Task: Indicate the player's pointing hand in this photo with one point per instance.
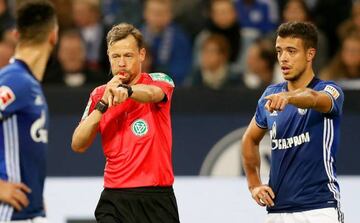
(276, 102)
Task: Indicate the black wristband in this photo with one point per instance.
(129, 89)
(101, 106)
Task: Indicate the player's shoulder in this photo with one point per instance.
(329, 87)
(327, 82)
(322, 85)
(274, 88)
(161, 77)
(15, 76)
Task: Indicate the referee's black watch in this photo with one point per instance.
(128, 87)
(101, 106)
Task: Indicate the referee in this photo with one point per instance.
(132, 114)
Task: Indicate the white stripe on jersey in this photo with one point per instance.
(12, 160)
(328, 139)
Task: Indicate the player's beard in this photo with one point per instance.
(294, 77)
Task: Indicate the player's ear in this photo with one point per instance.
(310, 54)
(15, 33)
(54, 36)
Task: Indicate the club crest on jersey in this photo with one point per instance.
(139, 127)
(302, 111)
(7, 97)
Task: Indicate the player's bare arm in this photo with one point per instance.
(301, 98)
(261, 193)
(14, 194)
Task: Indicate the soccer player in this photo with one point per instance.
(303, 115)
(132, 114)
(24, 115)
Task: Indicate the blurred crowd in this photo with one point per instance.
(211, 44)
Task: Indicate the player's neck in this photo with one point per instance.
(303, 80)
(35, 57)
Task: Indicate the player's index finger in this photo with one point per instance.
(23, 187)
(270, 191)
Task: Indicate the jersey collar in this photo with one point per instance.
(24, 65)
(311, 85)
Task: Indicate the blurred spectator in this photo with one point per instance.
(87, 18)
(184, 12)
(7, 50)
(214, 72)
(346, 63)
(63, 7)
(70, 68)
(260, 61)
(147, 64)
(255, 15)
(170, 46)
(223, 21)
(6, 20)
(116, 11)
(353, 23)
(273, 11)
(297, 10)
(328, 14)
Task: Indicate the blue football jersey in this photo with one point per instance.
(304, 145)
(23, 137)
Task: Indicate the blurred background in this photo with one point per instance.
(221, 56)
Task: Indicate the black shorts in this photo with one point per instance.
(137, 205)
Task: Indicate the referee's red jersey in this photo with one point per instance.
(136, 138)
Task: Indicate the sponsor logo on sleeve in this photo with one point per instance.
(162, 77)
(7, 97)
(332, 90)
(86, 112)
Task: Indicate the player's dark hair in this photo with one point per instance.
(123, 30)
(35, 19)
(302, 30)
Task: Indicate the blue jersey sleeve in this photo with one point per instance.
(14, 96)
(260, 114)
(336, 94)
